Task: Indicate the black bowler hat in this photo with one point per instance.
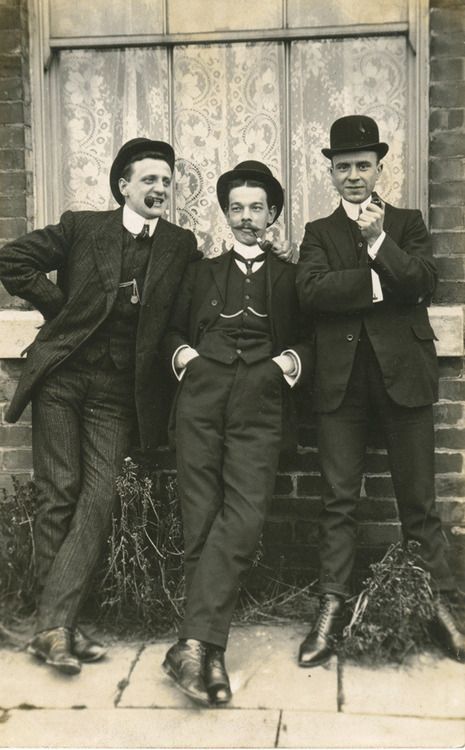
(251, 170)
(354, 133)
(154, 149)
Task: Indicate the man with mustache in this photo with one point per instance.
(93, 374)
(367, 274)
(236, 346)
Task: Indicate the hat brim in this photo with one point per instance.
(274, 187)
(163, 150)
(380, 148)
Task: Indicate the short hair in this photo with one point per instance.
(126, 173)
(240, 182)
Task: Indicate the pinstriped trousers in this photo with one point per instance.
(82, 420)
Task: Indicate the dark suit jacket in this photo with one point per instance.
(85, 248)
(334, 286)
(202, 298)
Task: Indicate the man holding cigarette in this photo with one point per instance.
(92, 374)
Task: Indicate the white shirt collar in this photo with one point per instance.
(247, 251)
(353, 209)
(134, 222)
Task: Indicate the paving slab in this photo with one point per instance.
(307, 730)
(129, 728)
(429, 686)
(34, 684)
(263, 670)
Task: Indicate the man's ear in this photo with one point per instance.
(272, 211)
(122, 185)
(380, 168)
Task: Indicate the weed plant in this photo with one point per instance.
(391, 614)
(17, 577)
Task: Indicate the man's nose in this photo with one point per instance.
(353, 173)
(245, 213)
(159, 187)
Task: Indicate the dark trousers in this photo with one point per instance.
(82, 417)
(342, 440)
(228, 435)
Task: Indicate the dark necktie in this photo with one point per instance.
(144, 232)
(249, 261)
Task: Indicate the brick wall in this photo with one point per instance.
(16, 204)
(291, 532)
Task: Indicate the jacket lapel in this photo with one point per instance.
(341, 238)
(220, 270)
(161, 252)
(108, 249)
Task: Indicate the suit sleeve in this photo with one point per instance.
(25, 262)
(319, 288)
(408, 270)
(177, 333)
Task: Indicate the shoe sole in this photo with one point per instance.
(89, 659)
(318, 663)
(63, 668)
(201, 701)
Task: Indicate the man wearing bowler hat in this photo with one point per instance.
(235, 344)
(367, 274)
(92, 374)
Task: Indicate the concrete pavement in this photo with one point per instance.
(126, 700)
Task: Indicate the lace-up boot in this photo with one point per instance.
(317, 647)
(216, 677)
(54, 647)
(185, 664)
(445, 632)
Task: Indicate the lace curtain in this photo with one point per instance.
(224, 103)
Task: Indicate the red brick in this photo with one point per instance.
(447, 69)
(451, 511)
(448, 193)
(14, 436)
(306, 532)
(451, 44)
(283, 485)
(277, 532)
(447, 217)
(12, 159)
(376, 509)
(447, 20)
(450, 438)
(296, 507)
(11, 89)
(450, 367)
(12, 227)
(14, 460)
(10, 41)
(448, 462)
(448, 144)
(14, 205)
(379, 487)
(11, 112)
(10, 66)
(450, 293)
(448, 243)
(448, 413)
(451, 268)
(12, 182)
(11, 136)
(452, 390)
(450, 486)
(301, 462)
(377, 463)
(452, 168)
(6, 481)
(309, 485)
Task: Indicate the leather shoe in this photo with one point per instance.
(85, 648)
(317, 647)
(216, 677)
(185, 664)
(445, 633)
(54, 647)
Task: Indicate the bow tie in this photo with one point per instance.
(249, 261)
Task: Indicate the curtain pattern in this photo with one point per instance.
(106, 98)
(229, 105)
(227, 109)
(333, 78)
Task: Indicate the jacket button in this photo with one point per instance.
(214, 302)
(349, 337)
(61, 336)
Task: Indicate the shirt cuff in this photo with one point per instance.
(179, 371)
(294, 376)
(377, 291)
(373, 249)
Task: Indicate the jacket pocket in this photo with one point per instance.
(424, 332)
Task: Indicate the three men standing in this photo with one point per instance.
(93, 373)
(367, 274)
